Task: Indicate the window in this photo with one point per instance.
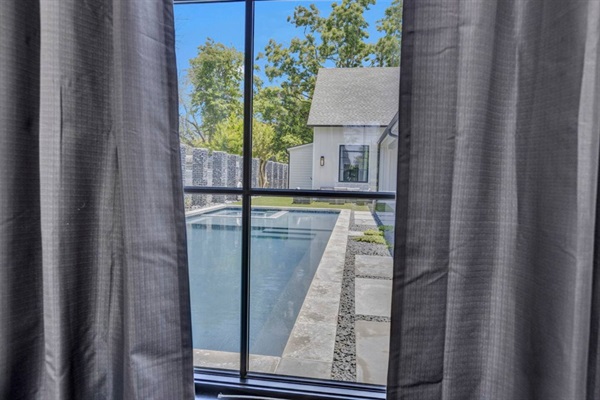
(290, 272)
(354, 163)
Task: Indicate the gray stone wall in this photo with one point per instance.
(187, 198)
(182, 153)
(232, 180)
(255, 171)
(199, 175)
(269, 173)
(200, 167)
(219, 173)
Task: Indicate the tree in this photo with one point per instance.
(216, 76)
(190, 129)
(387, 48)
(229, 137)
(263, 139)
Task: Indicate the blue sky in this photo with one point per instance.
(224, 22)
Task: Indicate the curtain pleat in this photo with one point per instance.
(496, 255)
(21, 310)
(94, 297)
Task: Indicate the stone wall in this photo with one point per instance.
(201, 167)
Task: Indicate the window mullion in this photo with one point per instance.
(246, 186)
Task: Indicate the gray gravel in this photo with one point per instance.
(344, 357)
(373, 318)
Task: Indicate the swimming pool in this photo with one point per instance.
(286, 248)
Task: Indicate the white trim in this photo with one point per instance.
(299, 146)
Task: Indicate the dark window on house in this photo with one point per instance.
(354, 163)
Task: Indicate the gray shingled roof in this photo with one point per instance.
(355, 96)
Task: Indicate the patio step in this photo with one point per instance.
(374, 266)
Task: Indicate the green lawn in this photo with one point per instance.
(287, 202)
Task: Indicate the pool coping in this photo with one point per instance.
(310, 347)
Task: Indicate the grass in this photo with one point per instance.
(287, 202)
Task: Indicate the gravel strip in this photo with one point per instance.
(373, 318)
(344, 357)
(383, 278)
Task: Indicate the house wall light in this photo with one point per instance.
(322, 162)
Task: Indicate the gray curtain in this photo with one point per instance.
(94, 300)
(497, 282)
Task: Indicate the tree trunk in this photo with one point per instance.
(262, 174)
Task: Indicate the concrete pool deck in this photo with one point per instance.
(309, 350)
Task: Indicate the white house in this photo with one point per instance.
(350, 111)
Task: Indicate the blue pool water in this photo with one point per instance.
(286, 250)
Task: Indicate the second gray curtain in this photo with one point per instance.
(497, 284)
(93, 271)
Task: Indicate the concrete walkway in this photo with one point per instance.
(372, 301)
(364, 218)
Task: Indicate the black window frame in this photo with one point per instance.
(211, 381)
(366, 151)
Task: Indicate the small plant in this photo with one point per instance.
(371, 232)
(377, 239)
(382, 207)
(384, 228)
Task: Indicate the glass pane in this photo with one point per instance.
(210, 60)
(354, 163)
(215, 283)
(321, 279)
(326, 78)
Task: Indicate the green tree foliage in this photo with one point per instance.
(263, 148)
(228, 137)
(216, 74)
(387, 48)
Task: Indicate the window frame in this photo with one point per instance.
(210, 380)
(366, 150)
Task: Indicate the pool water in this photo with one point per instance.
(286, 248)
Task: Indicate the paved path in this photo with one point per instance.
(364, 218)
(372, 298)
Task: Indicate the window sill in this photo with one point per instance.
(209, 383)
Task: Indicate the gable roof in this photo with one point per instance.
(355, 96)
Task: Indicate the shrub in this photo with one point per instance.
(370, 232)
(377, 239)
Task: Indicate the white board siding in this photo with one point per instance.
(327, 142)
(300, 166)
(388, 164)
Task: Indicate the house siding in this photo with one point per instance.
(300, 167)
(388, 164)
(326, 143)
